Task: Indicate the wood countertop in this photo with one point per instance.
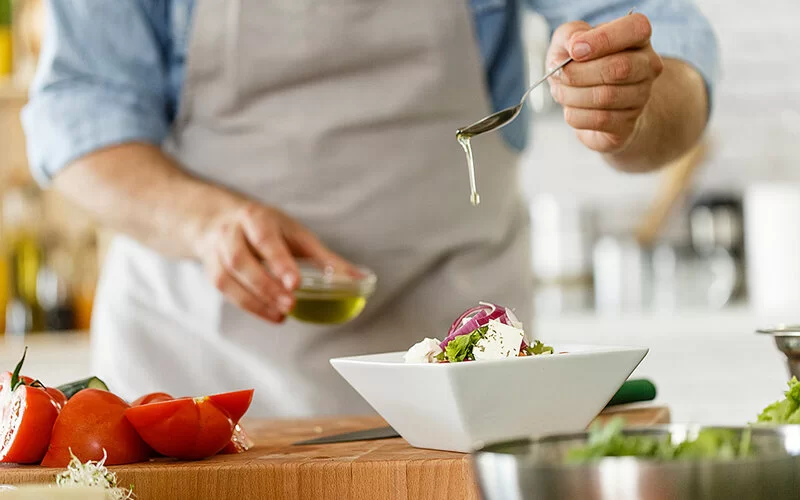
(277, 469)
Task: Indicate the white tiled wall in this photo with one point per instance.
(755, 128)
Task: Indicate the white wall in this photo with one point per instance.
(755, 129)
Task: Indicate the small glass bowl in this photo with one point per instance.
(329, 298)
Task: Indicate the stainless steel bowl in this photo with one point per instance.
(535, 469)
(787, 338)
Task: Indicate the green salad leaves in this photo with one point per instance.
(461, 347)
(785, 411)
(610, 441)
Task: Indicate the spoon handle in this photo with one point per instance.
(543, 79)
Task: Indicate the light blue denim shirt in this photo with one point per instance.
(111, 71)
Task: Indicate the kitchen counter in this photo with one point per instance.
(276, 469)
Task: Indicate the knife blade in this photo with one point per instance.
(632, 391)
(363, 435)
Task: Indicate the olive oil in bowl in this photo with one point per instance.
(330, 298)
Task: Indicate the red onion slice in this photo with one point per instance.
(482, 314)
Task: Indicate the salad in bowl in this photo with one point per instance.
(484, 332)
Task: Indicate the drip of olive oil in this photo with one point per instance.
(327, 307)
(464, 140)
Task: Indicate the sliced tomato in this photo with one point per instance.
(234, 403)
(240, 442)
(28, 411)
(92, 421)
(27, 425)
(185, 428)
(153, 397)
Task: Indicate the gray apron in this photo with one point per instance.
(343, 115)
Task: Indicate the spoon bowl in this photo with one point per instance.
(498, 120)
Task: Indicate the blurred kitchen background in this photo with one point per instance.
(687, 261)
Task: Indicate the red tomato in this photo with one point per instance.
(240, 442)
(185, 428)
(91, 421)
(153, 397)
(234, 403)
(28, 411)
(27, 424)
(58, 397)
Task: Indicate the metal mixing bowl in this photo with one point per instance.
(535, 469)
(787, 338)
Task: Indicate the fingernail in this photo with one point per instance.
(284, 303)
(581, 49)
(554, 91)
(288, 281)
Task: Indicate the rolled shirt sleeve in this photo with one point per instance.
(680, 30)
(101, 81)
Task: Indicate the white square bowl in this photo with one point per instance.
(461, 406)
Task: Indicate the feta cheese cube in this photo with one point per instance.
(501, 341)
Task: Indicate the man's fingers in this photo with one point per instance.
(631, 66)
(240, 262)
(602, 96)
(559, 43)
(268, 242)
(624, 33)
(600, 120)
(240, 296)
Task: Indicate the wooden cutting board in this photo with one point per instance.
(275, 469)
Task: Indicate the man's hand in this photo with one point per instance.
(248, 250)
(605, 89)
(249, 254)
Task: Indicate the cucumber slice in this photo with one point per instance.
(73, 388)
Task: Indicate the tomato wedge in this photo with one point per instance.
(234, 403)
(153, 397)
(92, 421)
(185, 428)
(193, 428)
(28, 411)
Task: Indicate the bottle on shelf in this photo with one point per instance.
(84, 279)
(22, 217)
(53, 290)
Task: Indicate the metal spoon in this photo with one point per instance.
(504, 116)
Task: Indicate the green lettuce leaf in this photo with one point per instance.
(609, 441)
(460, 348)
(785, 411)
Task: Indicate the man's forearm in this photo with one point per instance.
(673, 120)
(138, 190)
